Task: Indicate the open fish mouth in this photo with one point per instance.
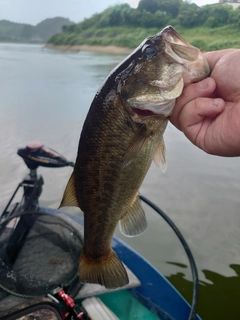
(143, 113)
(153, 109)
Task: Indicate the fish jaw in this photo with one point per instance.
(195, 65)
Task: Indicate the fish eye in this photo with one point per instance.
(149, 51)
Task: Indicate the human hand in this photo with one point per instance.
(208, 112)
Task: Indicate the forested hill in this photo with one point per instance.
(19, 32)
(209, 27)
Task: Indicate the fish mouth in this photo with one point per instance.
(163, 108)
(195, 65)
(144, 113)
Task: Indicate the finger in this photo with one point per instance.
(192, 117)
(203, 88)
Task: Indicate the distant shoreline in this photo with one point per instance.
(77, 48)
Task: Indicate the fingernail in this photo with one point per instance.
(203, 84)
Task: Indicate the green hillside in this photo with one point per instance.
(209, 27)
(19, 32)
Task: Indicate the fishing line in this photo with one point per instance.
(193, 311)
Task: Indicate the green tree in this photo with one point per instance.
(160, 19)
(135, 18)
(153, 20)
(129, 17)
(69, 29)
(149, 5)
(93, 21)
(188, 15)
(114, 15)
(218, 16)
(235, 17)
(168, 6)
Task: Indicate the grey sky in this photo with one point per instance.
(34, 11)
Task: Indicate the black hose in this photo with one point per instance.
(71, 164)
(193, 311)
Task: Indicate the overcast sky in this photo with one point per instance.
(34, 11)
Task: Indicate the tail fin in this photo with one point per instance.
(109, 272)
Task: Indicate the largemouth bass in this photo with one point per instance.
(121, 136)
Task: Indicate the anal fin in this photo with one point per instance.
(134, 222)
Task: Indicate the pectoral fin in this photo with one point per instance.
(134, 221)
(135, 146)
(69, 197)
(160, 156)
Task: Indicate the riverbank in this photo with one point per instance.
(77, 48)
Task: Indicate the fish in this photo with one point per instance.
(121, 136)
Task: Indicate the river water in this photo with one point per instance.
(45, 96)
